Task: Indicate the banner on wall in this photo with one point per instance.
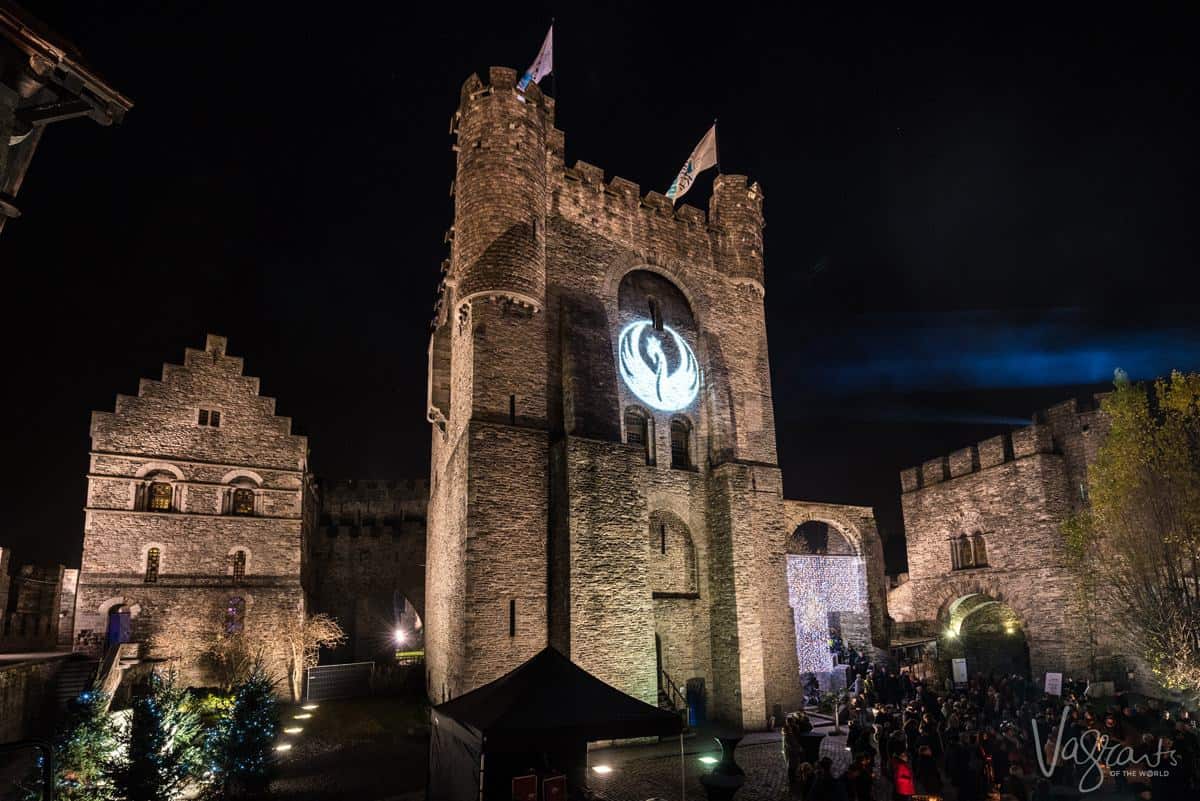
(1054, 684)
(959, 668)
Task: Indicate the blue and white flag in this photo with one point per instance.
(703, 157)
(542, 66)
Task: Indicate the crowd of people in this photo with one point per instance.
(995, 737)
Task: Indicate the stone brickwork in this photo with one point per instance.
(33, 616)
(559, 513)
(66, 609)
(368, 558)
(1003, 501)
(195, 518)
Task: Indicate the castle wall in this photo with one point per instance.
(159, 437)
(368, 554)
(1015, 490)
(536, 495)
(33, 617)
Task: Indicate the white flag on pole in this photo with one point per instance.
(542, 66)
(703, 157)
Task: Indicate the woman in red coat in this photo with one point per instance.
(902, 778)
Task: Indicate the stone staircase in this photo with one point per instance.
(76, 675)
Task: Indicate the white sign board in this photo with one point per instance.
(960, 670)
(1054, 684)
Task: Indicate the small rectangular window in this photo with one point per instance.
(512, 618)
(215, 418)
(209, 418)
(204, 417)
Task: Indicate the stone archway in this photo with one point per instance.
(988, 633)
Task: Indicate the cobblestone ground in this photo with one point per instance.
(644, 772)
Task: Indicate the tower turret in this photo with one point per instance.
(499, 246)
(736, 211)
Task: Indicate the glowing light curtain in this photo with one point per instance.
(818, 585)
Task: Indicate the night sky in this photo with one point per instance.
(968, 217)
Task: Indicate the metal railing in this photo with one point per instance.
(324, 682)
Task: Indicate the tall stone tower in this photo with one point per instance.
(604, 473)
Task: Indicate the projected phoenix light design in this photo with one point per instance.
(645, 368)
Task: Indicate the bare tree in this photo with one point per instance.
(305, 638)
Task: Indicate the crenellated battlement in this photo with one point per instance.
(512, 174)
(1047, 433)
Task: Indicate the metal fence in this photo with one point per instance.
(339, 681)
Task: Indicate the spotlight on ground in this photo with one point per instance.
(709, 760)
(309, 707)
(284, 747)
(305, 716)
(293, 730)
(603, 770)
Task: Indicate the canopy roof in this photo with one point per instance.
(550, 700)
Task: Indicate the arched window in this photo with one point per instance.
(239, 566)
(980, 548)
(639, 431)
(681, 458)
(152, 559)
(243, 502)
(160, 496)
(235, 615)
(966, 554)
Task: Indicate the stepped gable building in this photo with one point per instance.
(604, 473)
(367, 557)
(43, 80)
(198, 504)
(987, 567)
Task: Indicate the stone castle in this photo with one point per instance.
(604, 477)
(604, 474)
(986, 553)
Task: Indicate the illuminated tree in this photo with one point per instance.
(239, 748)
(163, 745)
(305, 638)
(1140, 537)
(85, 743)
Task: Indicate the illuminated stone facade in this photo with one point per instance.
(198, 503)
(983, 525)
(565, 507)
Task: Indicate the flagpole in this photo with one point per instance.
(554, 83)
(717, 145)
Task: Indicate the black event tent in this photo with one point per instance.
(540, 715)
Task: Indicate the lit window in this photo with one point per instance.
(152, 559)
(235, 616)
(243, 502)
(680, 457)
(239, 566)
(160, 496)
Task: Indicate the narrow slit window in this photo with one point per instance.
(512, 618)
(152, 560)
(662, 537)
(512, 410)
(239, 566)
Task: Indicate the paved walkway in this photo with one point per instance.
(653, 771)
